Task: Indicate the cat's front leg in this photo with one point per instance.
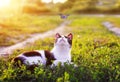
(62, 62)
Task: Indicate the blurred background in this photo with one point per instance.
(21, 18)
(11, 7)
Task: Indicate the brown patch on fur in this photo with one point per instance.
(57, 36)
(70, 37)
(18, 61)
(31, 53)
(69, 40)
(49, 57)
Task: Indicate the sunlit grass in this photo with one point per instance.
(95, 50)
(17, 28)
(115, 21)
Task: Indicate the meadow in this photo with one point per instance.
(115, 21)
(95, 50)
(19, 27)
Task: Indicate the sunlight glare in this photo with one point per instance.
(61, 1)
(54, 1)
(4, 3)
(46, 1)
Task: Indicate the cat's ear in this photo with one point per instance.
(57, 35)
(70, 36)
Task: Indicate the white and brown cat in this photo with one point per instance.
(61, 52)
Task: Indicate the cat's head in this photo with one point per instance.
(62, 40)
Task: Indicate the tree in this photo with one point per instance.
(35, 6)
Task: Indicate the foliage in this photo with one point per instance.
(95, 51)
(90, 6)
(35, 7)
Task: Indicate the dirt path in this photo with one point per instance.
(6, 51)
(112, 28)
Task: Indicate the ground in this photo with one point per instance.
(95, 50)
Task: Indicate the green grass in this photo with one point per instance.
(115, 21)
(18, 28)
(95, 50)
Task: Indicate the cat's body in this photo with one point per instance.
(60, 53)
(36, 57)
(62, 49)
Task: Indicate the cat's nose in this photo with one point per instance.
(62, 38)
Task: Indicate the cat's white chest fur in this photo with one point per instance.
(61, 53)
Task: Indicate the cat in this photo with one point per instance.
(61, 52)
(62, 49)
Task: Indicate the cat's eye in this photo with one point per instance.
(66, 37)
(59, 37)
